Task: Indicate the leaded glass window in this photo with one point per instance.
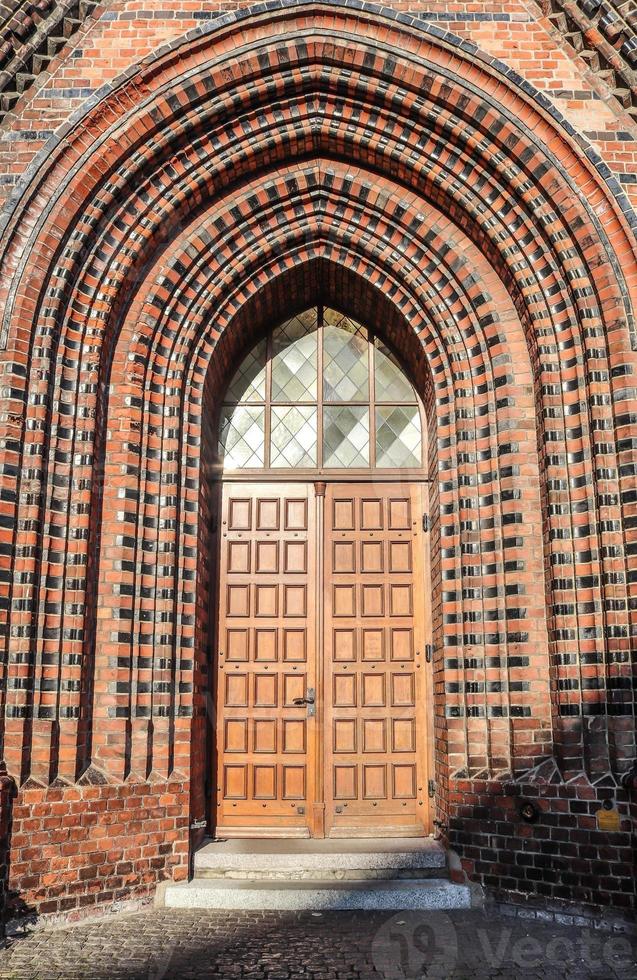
(293, 436)
(345, 436)
(321, 392)
(295, 360)
(242, 436)
(345, 359)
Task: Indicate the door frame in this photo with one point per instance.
(316, 816)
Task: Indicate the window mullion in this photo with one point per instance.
(372, 400)
(268, 400)
(319, 389)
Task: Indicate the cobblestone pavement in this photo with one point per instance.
(167, 944)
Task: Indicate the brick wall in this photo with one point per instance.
(77, 847)
(561, 857)
(445, 188)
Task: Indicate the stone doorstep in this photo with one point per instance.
(297, 857)
(302, 874)
(319, 874)
(316, 895)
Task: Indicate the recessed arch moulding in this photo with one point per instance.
(232, 178)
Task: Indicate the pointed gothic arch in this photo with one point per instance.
(400, 164)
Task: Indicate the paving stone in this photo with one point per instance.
(169, 944)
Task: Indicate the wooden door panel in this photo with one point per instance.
(266, 745)
(359, 766)
(375, 631)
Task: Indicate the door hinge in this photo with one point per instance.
(428, 652)
(432, 788)
(425, 522)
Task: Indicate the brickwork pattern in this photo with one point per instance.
(601, 32)
(544, 51)
(75, 847)
(7, 793)
(32, 32)
(561, 858)
(420, 183)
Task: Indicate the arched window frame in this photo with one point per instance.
(375, 342)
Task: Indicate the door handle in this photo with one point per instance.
(308, 700)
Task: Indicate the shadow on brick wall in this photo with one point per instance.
(545, 841)
(10, 903)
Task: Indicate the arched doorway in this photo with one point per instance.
(322, 607)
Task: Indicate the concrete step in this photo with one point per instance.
(320, 874)
(342, 859)
(316, 895)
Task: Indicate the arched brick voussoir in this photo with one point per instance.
(282, 27)
(157, 310)
(109, 289)
(480, 157)
(532, 300)
(516, 744)
(50, 629)
(161, 72)
(235, 245)
(425, 272)
(88, 289)
(554, 545)
(152, 193)
(442, 238)
(534, 294)
(398, 214)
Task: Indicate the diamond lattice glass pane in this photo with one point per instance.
(346, 436)
(248, 383)
(294, 359)
(389, 378)
(398, 436)
(345, 359)
(294, 435)
(241, 436)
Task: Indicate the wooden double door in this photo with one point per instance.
(322, 725)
